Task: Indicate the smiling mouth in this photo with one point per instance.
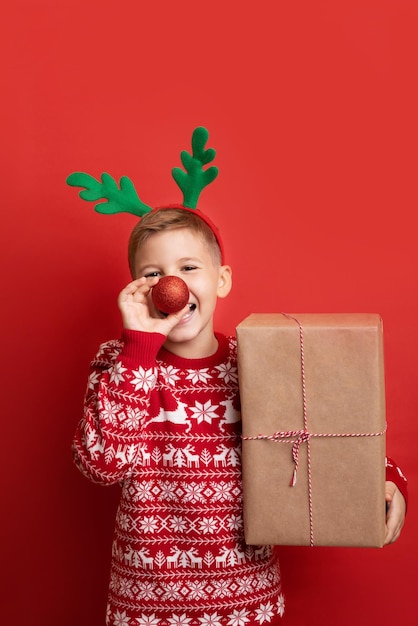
(192, 307)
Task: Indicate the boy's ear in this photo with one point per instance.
(225, 281)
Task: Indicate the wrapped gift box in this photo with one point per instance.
(313, 399)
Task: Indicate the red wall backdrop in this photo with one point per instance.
(312, 107)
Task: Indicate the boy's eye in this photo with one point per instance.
(152, 274)
(189, 268)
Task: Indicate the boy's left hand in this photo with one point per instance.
(395, 512)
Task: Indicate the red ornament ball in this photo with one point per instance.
(170, 294)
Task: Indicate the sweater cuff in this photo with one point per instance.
(140, 348)
(394, 474)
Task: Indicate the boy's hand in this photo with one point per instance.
(133, 302)
(395, 515)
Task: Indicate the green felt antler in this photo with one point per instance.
(116, 199)
(196, 178)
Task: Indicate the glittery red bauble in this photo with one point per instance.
(170, 294)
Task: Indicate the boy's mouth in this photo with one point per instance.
(192, 307)
(186, 316)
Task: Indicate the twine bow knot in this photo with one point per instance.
(303, 437)
(299, 437)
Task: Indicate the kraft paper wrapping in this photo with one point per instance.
(339, 495)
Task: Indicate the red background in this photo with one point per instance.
(312, 107)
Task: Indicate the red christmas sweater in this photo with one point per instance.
(168, 430)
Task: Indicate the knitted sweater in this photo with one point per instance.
(168, 430)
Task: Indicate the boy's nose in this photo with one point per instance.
(170, 294)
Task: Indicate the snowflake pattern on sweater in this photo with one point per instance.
(168, 430)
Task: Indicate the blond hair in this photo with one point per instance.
(170, 219)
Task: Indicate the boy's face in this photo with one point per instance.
(183, 253)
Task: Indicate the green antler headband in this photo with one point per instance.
(112, 198)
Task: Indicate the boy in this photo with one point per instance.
(162, 419)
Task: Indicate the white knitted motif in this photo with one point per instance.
(170, 434)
